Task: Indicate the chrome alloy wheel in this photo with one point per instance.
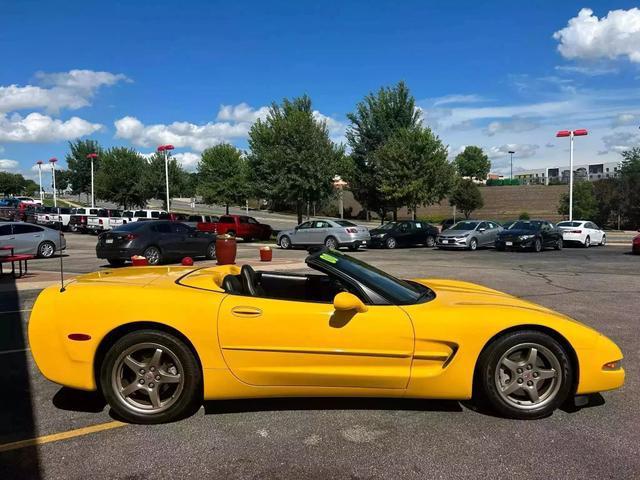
(528, 376)
(153, 255)
(147, 378)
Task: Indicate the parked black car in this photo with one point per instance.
(158, 241)
(530, 235)
(404, 233)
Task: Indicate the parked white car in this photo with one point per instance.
(582, 231)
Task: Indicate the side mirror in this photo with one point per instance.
(345, 302)
(482, 229)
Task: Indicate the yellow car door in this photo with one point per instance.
(279, 342)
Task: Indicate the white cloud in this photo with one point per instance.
(188, 160)
(588, 70)
(39, 128)
(6, 164)
(234, 122)
(500, 154)
(457, 99)
(516, 124)
(624, 119)
(620, 141)
(65, 90)
(589, 37)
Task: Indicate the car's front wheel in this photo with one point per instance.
(525, 374)
(473, 244)
(149, 376)
(430, 242)
(558, 245)
(537, 245)
(285, 242)
(390, 243)
(211, 251)
(603, 242)
(587, 242)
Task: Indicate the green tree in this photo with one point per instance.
(466, 197)
(222, 175)
(292, 158)
(585, 206)
(607, 194)
(79, 166)
(63, 180)
(473, 163)
(120, 180)
(11, 183)
(629, 178)
(413, 169)
(154, 181)
(376, 119)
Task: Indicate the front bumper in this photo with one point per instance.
(452, 242)
(514, 244)
(593, 376)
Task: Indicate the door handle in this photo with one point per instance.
(243, 311)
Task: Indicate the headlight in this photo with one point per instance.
(462, 236)
(379, 235)
(526, 237)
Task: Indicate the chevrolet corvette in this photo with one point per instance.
(171, 337)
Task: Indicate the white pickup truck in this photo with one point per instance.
(103, 220)
(147, 215)
(55, 217)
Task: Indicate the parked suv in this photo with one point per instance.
(243, 226)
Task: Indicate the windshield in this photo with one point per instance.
(525, 226)
(388, 226)
(464, 226)
(397, 291)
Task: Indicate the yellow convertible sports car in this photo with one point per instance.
(156, 341)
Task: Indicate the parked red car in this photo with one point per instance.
(243, 226)
(635, 246)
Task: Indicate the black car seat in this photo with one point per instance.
(251, 282)
(232, 284)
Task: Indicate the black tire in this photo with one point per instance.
(354, 248)
(430, 241)
(153, 255)
(587, 242)
(537, 245)
(46, 249)
(331, 242)
(210, 253)
(558, 245)
(490, 376)
(285, 242)
(603, 242)
(473, 244)
(183, 397)
(390, 243)
(115, 262)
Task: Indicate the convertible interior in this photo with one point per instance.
(281, 285)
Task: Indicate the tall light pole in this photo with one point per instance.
(571, 133)
(39, 163)
(166, 149)
(53, 161)
(92, 156)
(511, 152)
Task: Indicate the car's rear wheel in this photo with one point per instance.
(153, 255)
(331, 242)
(150, 376)
(46, 249)
(587, 242)
(525, 374)
(285, 242)
(115, 262)
(211, 251)
(390, 243)
(430, 241)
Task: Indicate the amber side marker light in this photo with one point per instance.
(612, 365)
(80, 337)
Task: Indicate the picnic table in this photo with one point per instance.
(13, 258)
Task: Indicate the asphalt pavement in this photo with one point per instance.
(340, 438)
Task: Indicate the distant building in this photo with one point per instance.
(545, 176)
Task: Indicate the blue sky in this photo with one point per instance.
(503, 75)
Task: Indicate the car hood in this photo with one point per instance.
(517, 232)
(457, 233)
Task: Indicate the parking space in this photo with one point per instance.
(343, 438)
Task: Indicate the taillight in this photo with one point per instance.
(575, 231)
(130, 236)
(100, 221)
(83, 219)
(351, 230)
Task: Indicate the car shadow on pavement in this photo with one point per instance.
(328, 403)
(78, 400)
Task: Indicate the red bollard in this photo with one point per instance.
(139, 261)
(187, 262)
(226, 249)
(266, 254)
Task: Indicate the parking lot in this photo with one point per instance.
(341, 438)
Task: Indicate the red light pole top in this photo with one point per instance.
(163, 148)
(563, 133)
(576, 133)
(39, 162)
(53, 160)
(92, 155)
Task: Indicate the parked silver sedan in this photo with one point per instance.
(31, 239)
(330, 233)
(469, 234)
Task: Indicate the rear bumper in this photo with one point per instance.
(573, 237)
(117, 253)
(355, 239)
